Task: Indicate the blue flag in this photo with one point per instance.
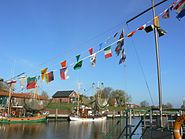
(181, 15)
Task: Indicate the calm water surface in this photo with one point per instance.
(64, 130)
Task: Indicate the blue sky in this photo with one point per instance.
(35, 34)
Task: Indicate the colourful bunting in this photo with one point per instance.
(123, 57)
(43, 73)
(31, 82)
(166, 14)
(156, 21)
(131, 34)
(120, 43)
(107, 52)
(64, 74)
(49, 77)
(63, 64)
(78, 65)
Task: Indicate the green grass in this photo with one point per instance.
(112, 108)
(62, 106)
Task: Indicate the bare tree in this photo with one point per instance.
(144, 103)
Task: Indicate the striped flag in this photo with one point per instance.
(64, 74)
(31, 82)
(141, 27)
(131, 34)
(49, 77)
(180, 6)
(43, 73)
(107, 52)
(93, 59)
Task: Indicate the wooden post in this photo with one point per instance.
(56, 114)
(130, 122)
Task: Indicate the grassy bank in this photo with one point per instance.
(60, 106)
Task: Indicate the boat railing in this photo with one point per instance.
(149, 120)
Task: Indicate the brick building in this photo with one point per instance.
(69, 96)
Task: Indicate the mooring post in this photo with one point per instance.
(127, 124)
(151, 118)
(56, 114)
(151, 122)
(130, 122)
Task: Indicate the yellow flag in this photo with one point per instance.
(43, 72)
(47, 78)
(156, 21)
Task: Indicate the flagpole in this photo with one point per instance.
(158, 67)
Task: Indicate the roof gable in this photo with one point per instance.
(61, 94)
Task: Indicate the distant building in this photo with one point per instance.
(69, 96)
(129, 105)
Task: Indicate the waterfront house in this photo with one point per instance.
(69, 96)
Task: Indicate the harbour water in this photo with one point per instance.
(66, 130)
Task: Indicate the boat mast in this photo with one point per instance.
(157, 55)
(158, 67)
(9, 100)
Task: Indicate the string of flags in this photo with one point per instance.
(178, 6)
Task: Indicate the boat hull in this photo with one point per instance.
(87, 119)
(35, 119)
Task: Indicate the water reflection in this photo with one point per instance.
(63, 130)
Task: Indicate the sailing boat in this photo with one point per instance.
(18, 114)
(91, 110)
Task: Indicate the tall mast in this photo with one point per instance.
(158, 67)
(157, 54)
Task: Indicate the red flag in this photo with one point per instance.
(91, 51)
(142, 27)
(63, 64)
(64, 73)
(131, 33)
(31, 82)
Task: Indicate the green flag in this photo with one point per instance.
(31, 82)
(77, 57)
(78, 65)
